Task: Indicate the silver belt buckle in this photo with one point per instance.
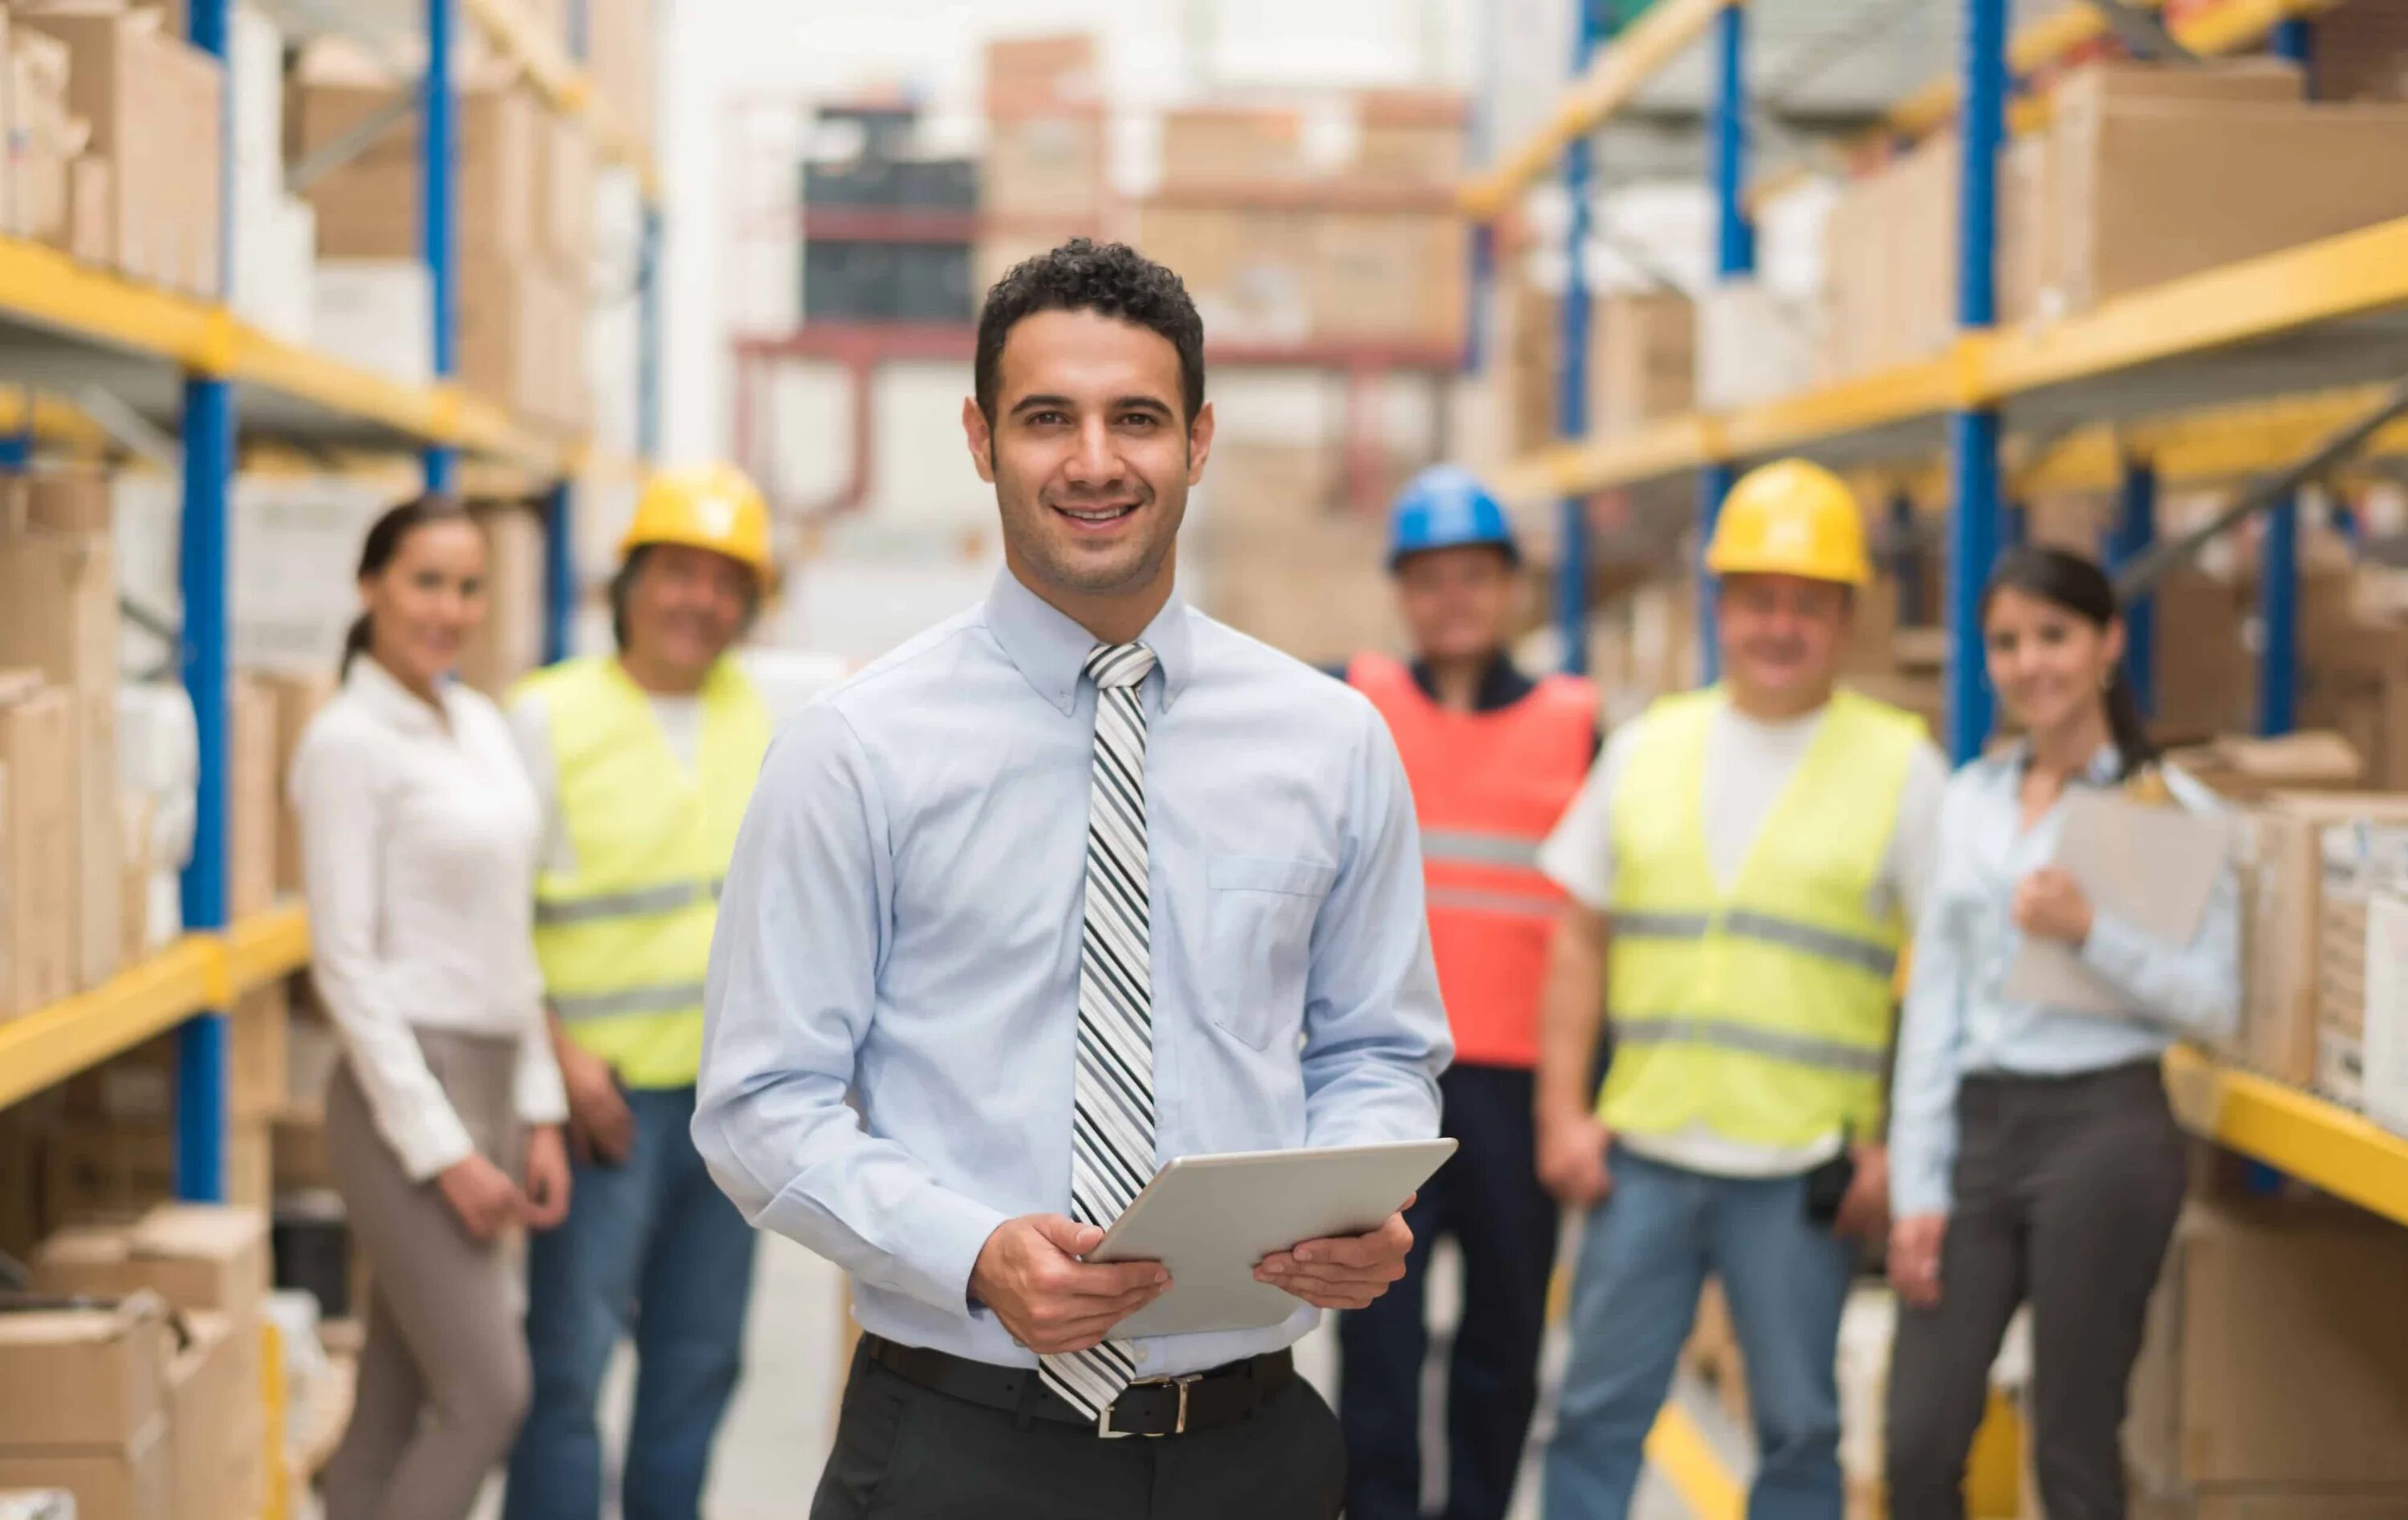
(1184, 1383)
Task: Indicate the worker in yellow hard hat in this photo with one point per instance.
(643, 760)
(1742, 863)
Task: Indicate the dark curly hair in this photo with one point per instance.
(1113, 280)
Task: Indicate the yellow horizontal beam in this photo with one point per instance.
(1613, 80)
(2295, 1132)
(2222, 444)
(196, 972)
(511, 28)
(2351, 275)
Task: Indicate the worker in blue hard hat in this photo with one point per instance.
(1494, 758)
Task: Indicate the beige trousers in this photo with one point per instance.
(443, 1377)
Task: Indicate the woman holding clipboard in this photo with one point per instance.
(2032, 1155)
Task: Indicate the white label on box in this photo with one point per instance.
(2384, 1058)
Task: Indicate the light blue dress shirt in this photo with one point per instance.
(901, 927)
(1958, 1021)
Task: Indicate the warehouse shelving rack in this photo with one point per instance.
(2233, 372)
(195, 364)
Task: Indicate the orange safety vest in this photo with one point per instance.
(1487, 789)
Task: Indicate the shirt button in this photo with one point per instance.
(1141, 1356)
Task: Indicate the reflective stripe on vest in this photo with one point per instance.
(1487, 787)
(624, 937)
(639, 903)
(1760, 1008)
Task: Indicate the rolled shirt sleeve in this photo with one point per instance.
(1376, 1033)
(793, 971)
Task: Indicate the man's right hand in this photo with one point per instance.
(1571, 1158)
(1029, 1273)
(600, 1125)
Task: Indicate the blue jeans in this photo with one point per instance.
(650, 1247)
(1645, 1254)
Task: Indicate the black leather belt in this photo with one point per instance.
(1152, 1407)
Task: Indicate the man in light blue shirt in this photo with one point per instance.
(1074, 884)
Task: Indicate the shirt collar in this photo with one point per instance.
(2105, 763)
(1051, 651)
(372, 683)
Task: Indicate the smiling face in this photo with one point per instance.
(1457, 603)
(684, 607)
(1092, 461)
(1781, 637)
(2050, 665)
(426, 600)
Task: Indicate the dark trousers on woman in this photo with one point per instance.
(2066, 1189)
(1488, 1198)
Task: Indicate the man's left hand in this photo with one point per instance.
(1864, 1211)
(1347, 1273)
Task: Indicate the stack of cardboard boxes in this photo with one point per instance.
(150, 1404)
(1043, 176)
(1276, 556)
(63, 863)
(525, 220)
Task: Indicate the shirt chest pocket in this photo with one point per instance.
(1258, 943)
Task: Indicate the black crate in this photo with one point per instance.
(917, 283)
(936, 184)
(862, 181)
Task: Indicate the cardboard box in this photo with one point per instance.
(367, 208)
(251, 1163)
(2248, 769)
(1050, 167)
(44, 134)
(217, 1420)
(1393, 277)
(256, 801)
(2273, 1354)
(297, 696)
(521, 342)
(1040, 74)
(566, 230)
(1226, 144)
(1250, 273)
(82, 1377)
(622, 54)
(257, 1038)
(1408, 137)
(58, 606)
(375, 314)
(39, 952)
(509, 643)
(99, 847)
(197, 1257)
(132, 1481)
(2293, 848)
(1643, 361)
(2139, 187)
(106, 1171)
(137, 823)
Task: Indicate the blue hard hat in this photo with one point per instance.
(1445, 507)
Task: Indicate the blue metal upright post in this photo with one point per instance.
(434, 193)
(559, 571)
(2135, 533)
(208, 659)
(1973, 434)
(648, 338)
(1734, 257)
(2294, 39)
(2014, 525)
(2278, 611)
(1593, 23)
(16, 451)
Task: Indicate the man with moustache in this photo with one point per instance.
(1742, 864)
(1074, 884)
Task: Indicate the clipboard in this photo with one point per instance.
(1211, 1219)
(2151, 866)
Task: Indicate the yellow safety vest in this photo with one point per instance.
(625, 938)
(1762, 1011)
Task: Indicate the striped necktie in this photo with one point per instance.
(1112, 1133)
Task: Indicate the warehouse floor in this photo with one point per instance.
(777, 1434)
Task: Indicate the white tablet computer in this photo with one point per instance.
(1211, 1219)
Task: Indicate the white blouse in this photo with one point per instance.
(419, 835)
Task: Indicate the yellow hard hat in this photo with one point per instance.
(1791, 517)
(712, 506)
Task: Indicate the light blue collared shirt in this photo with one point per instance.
(901, 925)
(1959, 1022)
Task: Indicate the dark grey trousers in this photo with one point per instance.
(903, 1453)
(2067, 1192)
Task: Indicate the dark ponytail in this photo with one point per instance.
(2079, 587)
(384, 540)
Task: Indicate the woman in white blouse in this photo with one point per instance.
(2033, 1158)
(419, 834)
